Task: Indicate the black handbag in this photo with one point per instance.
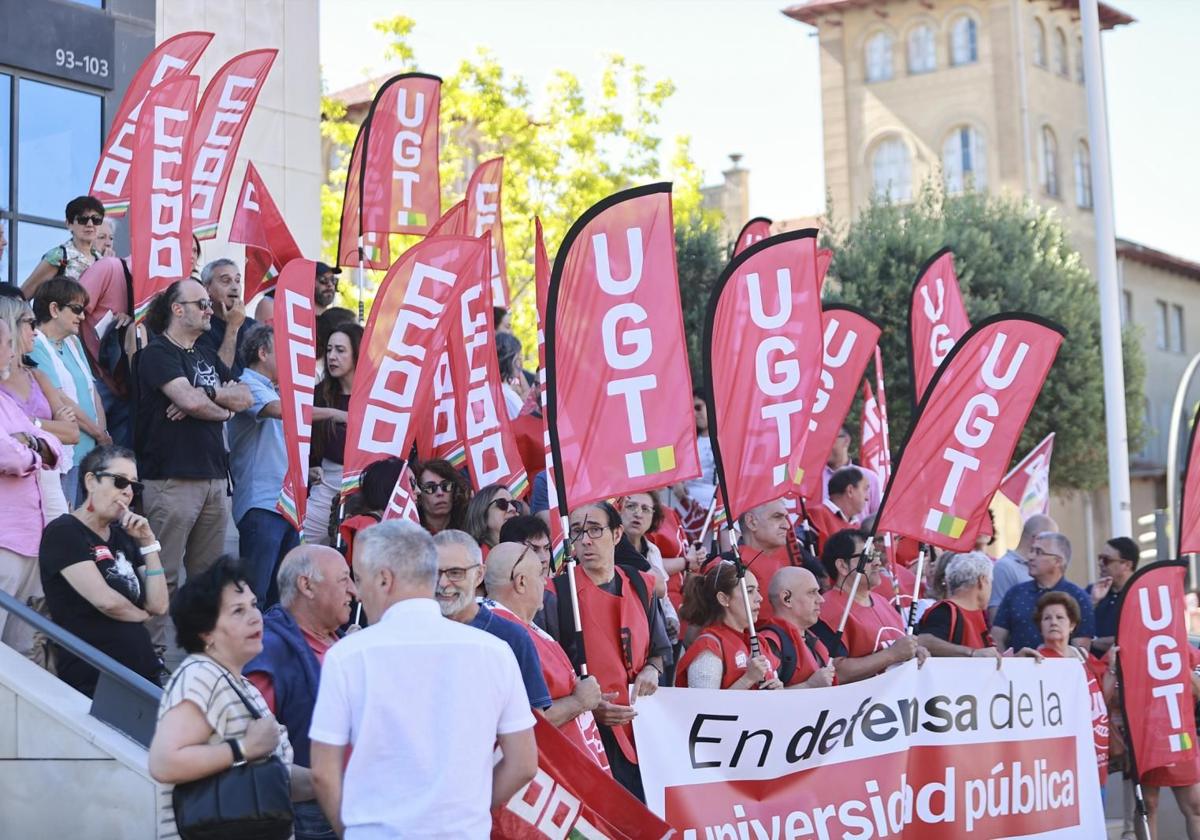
(250, 802)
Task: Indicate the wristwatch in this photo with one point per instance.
(239, 757)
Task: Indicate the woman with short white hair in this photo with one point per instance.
(957, 625)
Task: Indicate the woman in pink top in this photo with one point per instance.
(25, 451)
(41, 402)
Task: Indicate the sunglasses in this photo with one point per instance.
(502, 503)
(435, 486)
(89, 220)
(121, 482)
(204, 305)
(77, 308)
(28, 321)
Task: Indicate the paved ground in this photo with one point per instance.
(1170, 821)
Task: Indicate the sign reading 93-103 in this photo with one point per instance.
(66, 40)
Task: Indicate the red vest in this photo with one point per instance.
(869, 628)
(900, 592)
(560, 679)
(733, 648)
(826, 523)
(806, 663)
(974, 633)
(616, 640)
(765, 564)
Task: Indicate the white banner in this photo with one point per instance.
(953, 749)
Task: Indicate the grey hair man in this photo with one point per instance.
(957, 626)
(229, 324)
(408, 691)
(315, 590)
(1049, 557)
(1013, 566)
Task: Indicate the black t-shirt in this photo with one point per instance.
(67, 541)
(831, 639)
(187, 448)
(215, 336)
(936, 622)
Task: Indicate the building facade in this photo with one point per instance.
(990, 94)
(62, 81)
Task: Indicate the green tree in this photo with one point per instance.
(1010, 256)
(560, 157)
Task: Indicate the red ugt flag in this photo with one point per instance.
(403, 504)
(936, 318)
(763, 342)
(620, 413)
(174, 57)
(220, 122)
(966, 429)
(258, 224)
(1027, 485)
(483, 216)
(295, 328)
(755, 230)
(160, 224)
(541, 281)
(1156, 664)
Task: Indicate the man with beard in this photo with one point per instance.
(460, 571)
(326, 286)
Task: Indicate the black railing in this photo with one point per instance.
(126, 701)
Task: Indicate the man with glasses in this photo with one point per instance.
(185, 395)
(325, 289)
(1012, 567)
(1118, 561)
(515, 579)
(84, 215)
(1014, 625)
(460, 571)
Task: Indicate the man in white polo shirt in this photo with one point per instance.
(422, 701)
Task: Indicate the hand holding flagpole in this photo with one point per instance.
(858, 576)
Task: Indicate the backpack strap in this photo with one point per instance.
(567, 636)
(956, 626)
(785, 651)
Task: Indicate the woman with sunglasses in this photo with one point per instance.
(41, 402)
(84, 215)
(101, 571)
(720, 657)
(487, 512)
(331, 402)
(59, 306)
(443, 495)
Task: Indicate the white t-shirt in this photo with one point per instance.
(421, 699)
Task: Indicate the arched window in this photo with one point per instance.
(1062, 63)
(964, 163)
(879, 57)
(922, 55)
(964, 45)
(1049, 166)
(891, 170)
(1083, 175)
(1039, 43)
(1079, 60)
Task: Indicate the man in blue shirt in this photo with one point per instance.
(1048, 560)
(460, 572)
(257, 463)
(1118, 561)
(226, 334)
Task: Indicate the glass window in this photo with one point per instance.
(1083, 175)
(892, 170)
(1039, 43)
(1049, 162)
(964, 43)
(4, 278)
(1079, 60)
(5, 135)
(1161, 327)
(879, 57)
(1062, 64)
(963, 160)
(922, 56)
(33, 241)
(58, 142)
(95, 4)
(1126, 307)
(1177, 342)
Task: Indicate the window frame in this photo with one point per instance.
(929, 38)
(974, 178)
(890, 192)
(1162, 325)
(879, 36)
(10, 216)
(972, 40)
(1084, 199)
(1062, 53)
(1176, 335)
(1051, 183)
(1040, 58)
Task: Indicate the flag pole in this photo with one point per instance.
(712, 509)
(741, 573)
(574, 590)
(361, 278)
(912, 608)
(858, 576)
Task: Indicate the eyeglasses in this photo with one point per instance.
(457, 574)
(204, 305)
(632, 508)
(512, 576)
(502, 503)
(27, 320)
(593, 531)
(435, 486)
(121, 482)
(89, 220)
(77, 308)
(1038, 551)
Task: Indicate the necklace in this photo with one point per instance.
(188, 349)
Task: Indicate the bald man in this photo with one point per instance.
(796, 600)
(514, 581)
(315, 592)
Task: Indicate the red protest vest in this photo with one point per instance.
(897, 589)
(1091, 667)
(826, 523)
(765, 564)
(616, 639)
(733, 648)
(973, 623)
(806, 663)
(560, 680)
(869, 628)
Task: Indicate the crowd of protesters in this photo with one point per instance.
(131, 452)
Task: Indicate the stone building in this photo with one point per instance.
(990, 93)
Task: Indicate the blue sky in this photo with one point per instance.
(747, 81)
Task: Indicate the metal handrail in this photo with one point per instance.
(126, 701)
